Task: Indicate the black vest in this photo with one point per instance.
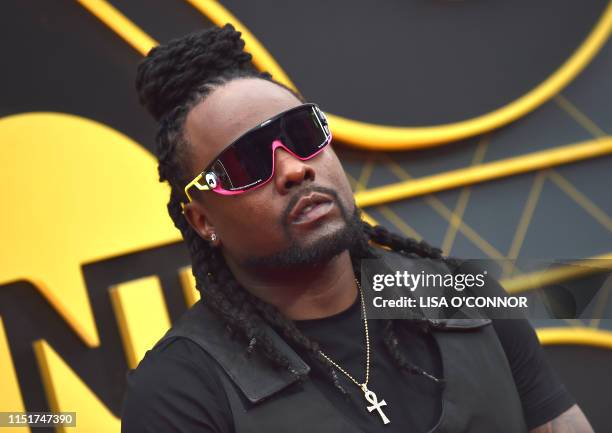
(479, 396)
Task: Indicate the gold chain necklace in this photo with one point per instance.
(370, 396)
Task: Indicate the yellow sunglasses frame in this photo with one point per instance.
(195, 182)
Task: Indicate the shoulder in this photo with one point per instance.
(175, 387)
(176, 357)
(542, 393)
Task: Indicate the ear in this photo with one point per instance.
(198, 219)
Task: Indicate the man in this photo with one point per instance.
(278, 342)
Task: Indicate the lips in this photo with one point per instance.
(310, 207)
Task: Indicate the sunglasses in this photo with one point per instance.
(248, 162)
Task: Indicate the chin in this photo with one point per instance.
(320, 250)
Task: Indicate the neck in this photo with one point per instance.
(304, 292)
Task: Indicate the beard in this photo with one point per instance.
(322, 250)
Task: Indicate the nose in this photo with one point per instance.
(290, 171)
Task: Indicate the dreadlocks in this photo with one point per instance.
(170, 81)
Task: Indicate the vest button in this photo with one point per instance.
(436, 323)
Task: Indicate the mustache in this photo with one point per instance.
(305, 191)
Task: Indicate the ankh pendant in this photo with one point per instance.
(376, 405)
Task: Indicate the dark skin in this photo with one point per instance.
(249, 224)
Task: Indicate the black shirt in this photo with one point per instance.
(175, 387)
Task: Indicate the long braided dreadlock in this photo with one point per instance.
(170, 81)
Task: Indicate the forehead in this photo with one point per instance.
(229, 111)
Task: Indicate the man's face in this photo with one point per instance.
(261, 226)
